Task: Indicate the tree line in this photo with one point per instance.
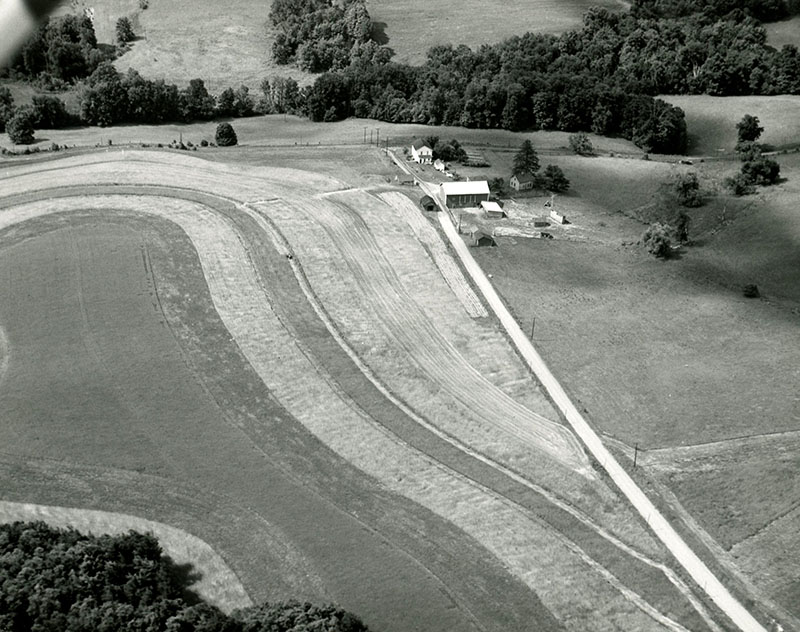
(60, 579)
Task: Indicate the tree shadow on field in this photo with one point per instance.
(378, 33)
(183, 577)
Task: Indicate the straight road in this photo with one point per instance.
(655, 519)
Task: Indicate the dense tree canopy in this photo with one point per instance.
(54, 579)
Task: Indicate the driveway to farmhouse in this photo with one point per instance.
(654, 518)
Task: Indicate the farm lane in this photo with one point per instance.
(657, 522)
(458, 519)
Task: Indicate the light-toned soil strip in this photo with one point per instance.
(217, 584)
(428, 236)
(342, 259)
(478, 342)
(281, 363)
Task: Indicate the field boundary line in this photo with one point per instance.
(282, 244)
(665, 532)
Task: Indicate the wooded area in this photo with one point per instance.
(60, 579)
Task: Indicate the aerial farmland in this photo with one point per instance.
(310, 386)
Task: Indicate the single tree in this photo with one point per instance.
(226, 103)
(554, 179)
(124, 31)
(581, 144)
(526, 161)
(739, 185)
(20, 126)
(762, 171)
(749, 150)
(749, 128)
(497, 186)
(657, 241)
(6, 107)
(682, 227)
(687, 189)
(225, 136)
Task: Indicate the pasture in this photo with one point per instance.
(785, 32)
(230, 44)
(668, 355)
(711, 121)
(411, 28)
(272, 409)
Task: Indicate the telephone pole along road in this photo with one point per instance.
(687, 558)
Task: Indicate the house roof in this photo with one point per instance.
(419, 144)
(523, 177)
(492, 207)
(470, 187)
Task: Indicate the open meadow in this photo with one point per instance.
(411, 27)
(711, 121)
(165, 345)
(668, 356)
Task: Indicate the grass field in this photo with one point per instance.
(292, 359)
(412, 27)
(779, 34)
(230, 44)
(712, 121)
(669, 354)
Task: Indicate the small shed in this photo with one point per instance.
(439, 165)
(522, 181)
(427, 203)
(557, 217)
(541, 222)
(405, 179)
(493, 210)
(478, 237)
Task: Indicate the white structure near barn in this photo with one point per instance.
(421, 153)
(461, 194)
(493, 210)
(439, 165)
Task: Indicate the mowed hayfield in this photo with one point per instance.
(267, 425)
(666, 354)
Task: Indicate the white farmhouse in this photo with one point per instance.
(421, 153)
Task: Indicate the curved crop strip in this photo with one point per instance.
(379, 290)
(218, 584)
(498, 529)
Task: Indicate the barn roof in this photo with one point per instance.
(470, 187)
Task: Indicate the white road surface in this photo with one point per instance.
(657, 522)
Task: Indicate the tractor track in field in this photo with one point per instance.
(364, 391)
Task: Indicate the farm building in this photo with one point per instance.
(557, 217)
(460, 194)
(522, 181)
(493, 210)
(421, 153)
(405, 179)
(439, 165)
(478, 237)
(427, 203)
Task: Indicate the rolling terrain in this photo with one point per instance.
(240, 379)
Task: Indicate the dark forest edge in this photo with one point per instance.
(601, 78)
(60, 579)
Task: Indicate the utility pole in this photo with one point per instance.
(365, 135)
(533, 326)
(635, 454)
(370, 136)
(378, 138)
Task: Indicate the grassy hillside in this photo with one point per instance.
(229, 43)
(785, 32)
(712, 120)
(411, 27)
